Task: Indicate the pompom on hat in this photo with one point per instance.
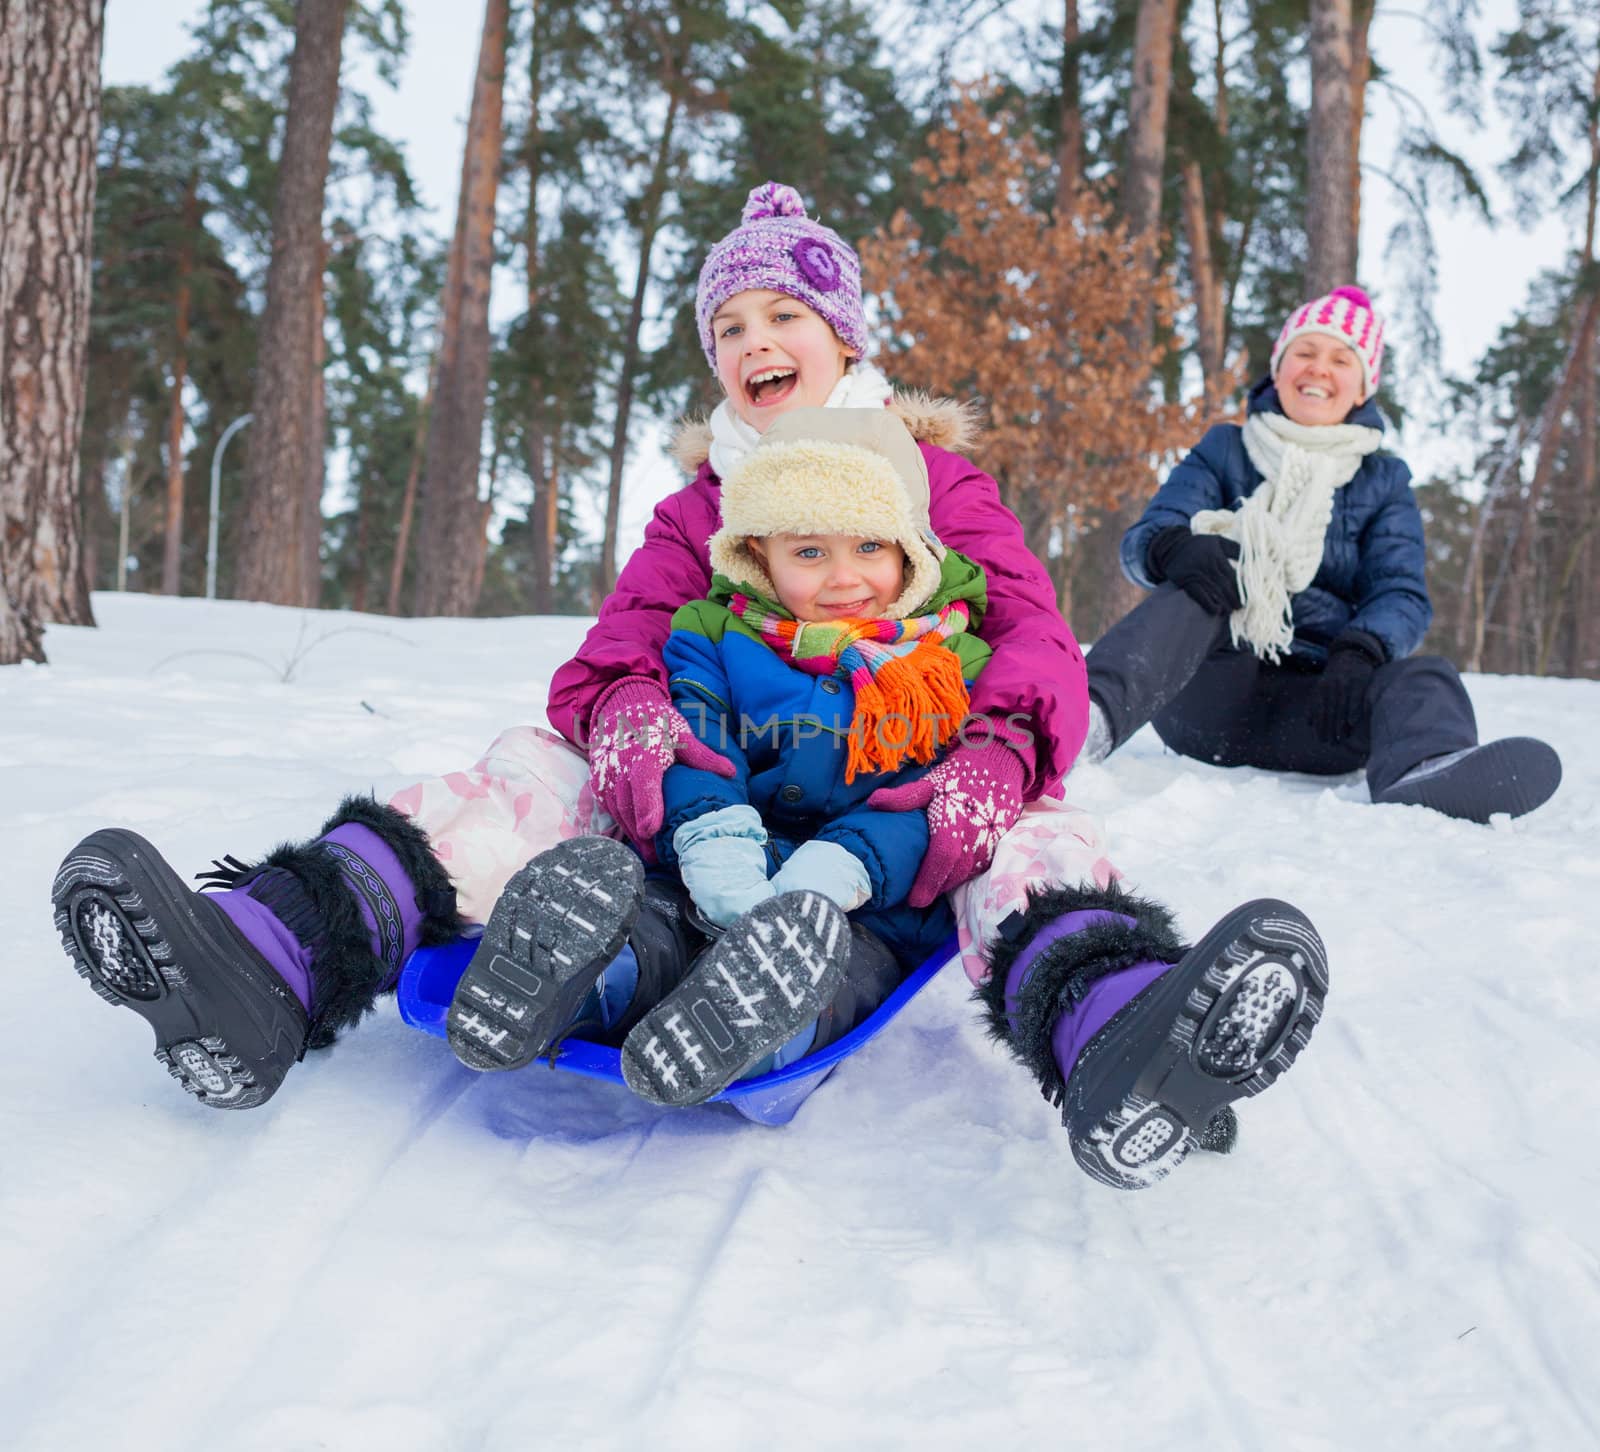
(1347, 314)
(777, 246)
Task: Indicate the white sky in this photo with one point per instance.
(1484, 268)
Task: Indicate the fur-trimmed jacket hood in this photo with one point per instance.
(945, 423)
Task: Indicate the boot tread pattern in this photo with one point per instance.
(554, 929)
(206, 1068)
(751, 991)
(1238, 1029)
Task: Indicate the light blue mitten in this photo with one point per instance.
(826, 868)
(722, 857)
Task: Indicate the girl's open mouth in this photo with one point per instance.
(770, 385)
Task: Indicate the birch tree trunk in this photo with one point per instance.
(1330, 238)
(284, 446)
(49, 122)
(450, 515)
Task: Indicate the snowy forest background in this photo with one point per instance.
(1087, 216)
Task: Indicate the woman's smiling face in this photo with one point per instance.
(1319, 380)
(774, 354)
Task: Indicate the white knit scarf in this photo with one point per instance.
(1280, 526)
(732, 438)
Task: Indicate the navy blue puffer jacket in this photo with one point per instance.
(1371, 576)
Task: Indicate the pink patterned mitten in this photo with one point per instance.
(972, 798)
(635, 735)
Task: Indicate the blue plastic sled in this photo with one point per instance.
(428, 982)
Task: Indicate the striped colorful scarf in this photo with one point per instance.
(910, 694)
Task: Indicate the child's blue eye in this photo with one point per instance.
(730, 330)
(871, 547)
(808, 552)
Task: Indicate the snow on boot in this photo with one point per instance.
(551, 934)
(1513, 775)
(749, 993)
(238, 984)
(1142, 1043)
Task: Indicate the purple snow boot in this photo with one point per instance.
(1142, 1043)
(237, 984)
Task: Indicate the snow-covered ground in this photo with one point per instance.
(396, 1253)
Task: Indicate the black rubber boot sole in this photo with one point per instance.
(1222, 1025)
(1513, 775)
(749, 993)
(227, 1027)
(552, 933)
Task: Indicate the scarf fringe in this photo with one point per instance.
(910, 708)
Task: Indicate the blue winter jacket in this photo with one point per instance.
(786, 732)
(1371, 577)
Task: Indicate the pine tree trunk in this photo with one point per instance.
(317, 426)
(1069, 143)
(49, 120)
(1520, 601)
(363, 546)
(649, 222)
(408, 499)
(172, 552)
(1360, 75)
(1148, 104)
(1583, 508)
(542, 511)
(450, 509)
(1585, 659)
(1207, 283)
(1330, 249)
(284, 445)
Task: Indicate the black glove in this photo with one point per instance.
(1199, 564)
(1338, 705)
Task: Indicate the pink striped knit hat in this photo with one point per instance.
(1346, 314)
(777, 246)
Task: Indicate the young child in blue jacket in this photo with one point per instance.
(1292, 554)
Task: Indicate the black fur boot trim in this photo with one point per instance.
(1064, 971)
(436, 894)
(305, 887)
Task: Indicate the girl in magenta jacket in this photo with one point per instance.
(1142, 1041)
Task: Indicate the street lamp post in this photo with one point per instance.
(216, 489)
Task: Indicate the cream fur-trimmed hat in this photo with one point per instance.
(854, 471)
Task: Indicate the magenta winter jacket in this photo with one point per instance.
(1037, 669)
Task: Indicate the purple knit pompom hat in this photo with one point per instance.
(1347, 314)
(777, 246)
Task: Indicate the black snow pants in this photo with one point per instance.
(1169, 661)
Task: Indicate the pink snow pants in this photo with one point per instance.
(531, 790)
